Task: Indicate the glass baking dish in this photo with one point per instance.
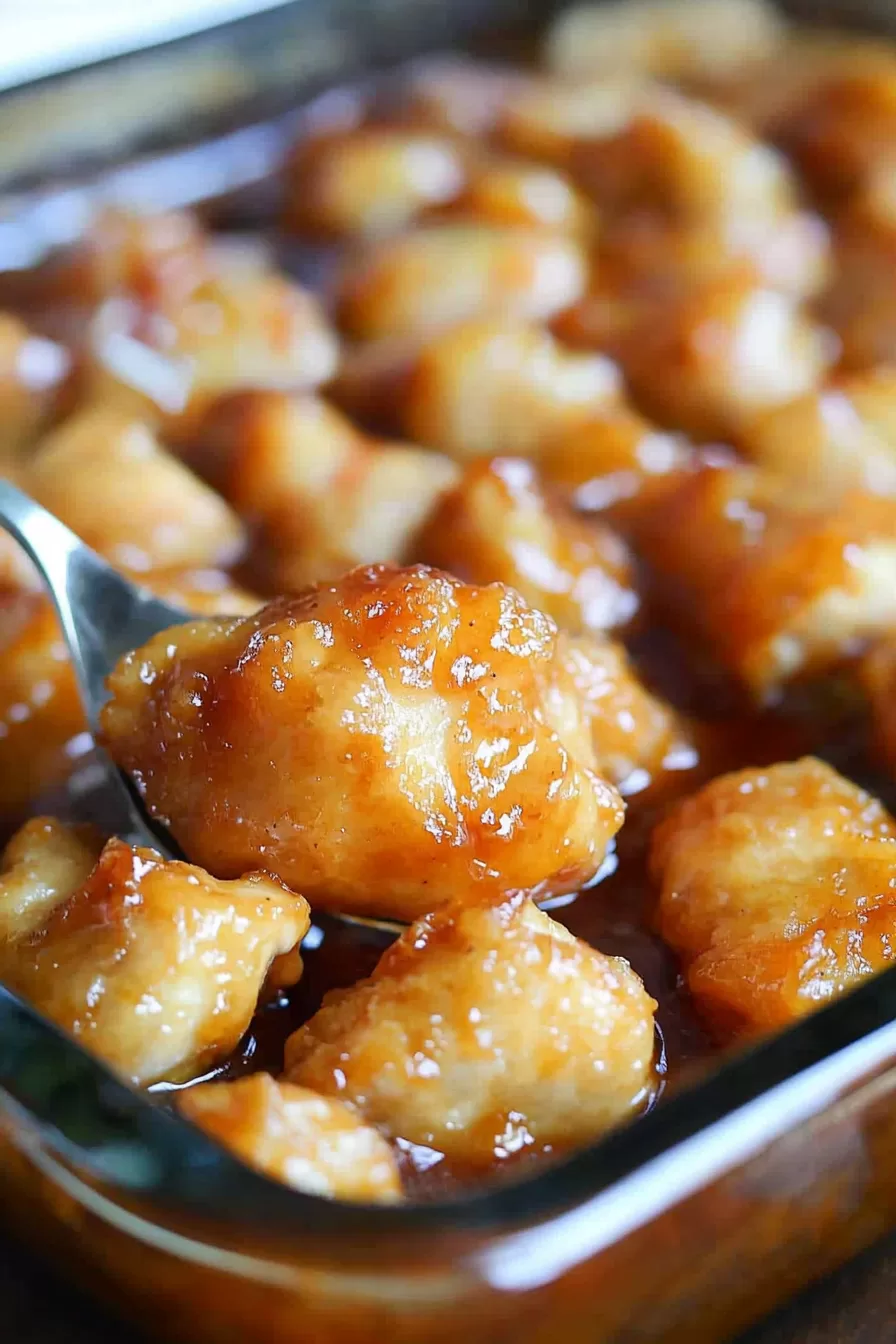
(686, 1225)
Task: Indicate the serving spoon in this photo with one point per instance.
(104, 616)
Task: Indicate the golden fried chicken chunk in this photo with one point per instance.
(368, 181)
(107, 477)
(638, 741)
(484, 1029)
(777, 890)
(717, 357)
(305, 1140)
(776, 582)
(384, 742)
(445, 273)
(324, 497)
(243, 326)
(44, 862)
(838, 438)
(672, 39)
(152, 964)
(498, 387)
(499, 524)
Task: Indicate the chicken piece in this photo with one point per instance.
(310, 1142)
(408, 751)
(456, 95)
(615, 461)
(154, 965)
(841, 437)
(367, 182)
(499, 525)
(643, 256)
(499, 388)
(33, 372)
(843, 126)
(672, 39)
(721, 355)
(775, 582)
(638, 145)
(324, 497)
(638, 742)
(44, 862)
(158, 258)
(877, 674)
(106, 476)
(448, 272)
(42, 724)
(243, 327)
(486, 1028)
(776, 888)
(515, 193)
(40, 708)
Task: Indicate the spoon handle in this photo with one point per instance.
(101, 613)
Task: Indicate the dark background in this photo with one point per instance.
(856, 1306)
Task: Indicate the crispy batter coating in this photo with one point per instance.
(715, 358)
(484, 1029)
(838, 438)
(638, 741)
(310, 1142)
(448, 272)
(501, 387)
(324, 498)
(154, 965)
(672, 39)
(499, 524)
(775, 582)
(44, 862)
(777, 889)
(369, 181)
(106, 475)
(385, 742)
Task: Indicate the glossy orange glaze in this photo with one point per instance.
(409, 744)
(153, 964)
(500, 523)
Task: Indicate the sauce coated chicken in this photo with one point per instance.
(486, 1028)
(526, 475)
(410, 745)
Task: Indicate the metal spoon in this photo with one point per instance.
(103, 616)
